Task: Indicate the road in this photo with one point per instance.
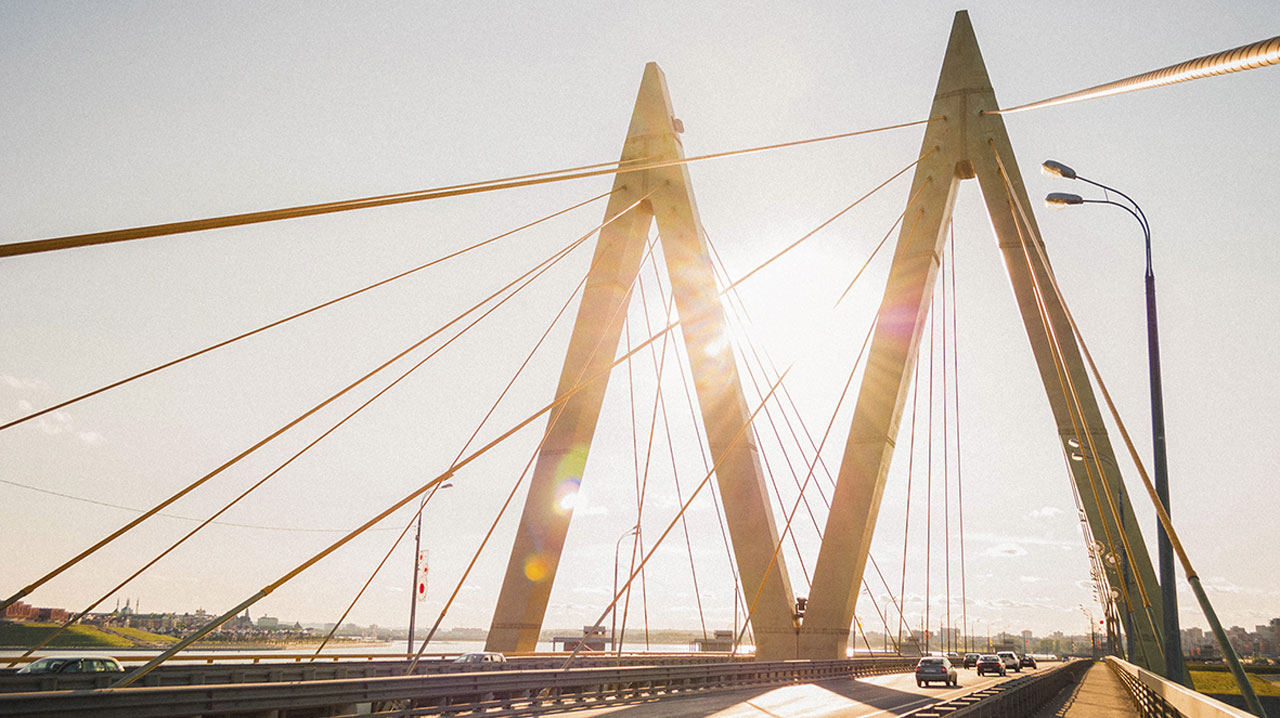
(880, 696)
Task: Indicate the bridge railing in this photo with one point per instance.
(1157, 697)
(274, 668)
(513, 692)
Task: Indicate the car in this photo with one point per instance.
(935, 668)
(481, 657)
(990, 663)
(73, 664)
(970, 660)
(1027, 661)
(1010, 660)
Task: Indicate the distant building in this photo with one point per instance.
(721, 642)
(268, 622)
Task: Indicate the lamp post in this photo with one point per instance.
(613, 613)
(417, 558)
(1174, 667)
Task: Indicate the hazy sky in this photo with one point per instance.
(124, 114)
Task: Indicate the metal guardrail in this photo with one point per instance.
(276, 671)
(1017, 698)
(512, 692)
(1156, 697)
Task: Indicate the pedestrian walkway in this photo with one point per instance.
(1099, 694)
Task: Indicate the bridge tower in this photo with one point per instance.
(965, 145)
(535, 555)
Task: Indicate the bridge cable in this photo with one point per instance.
(946, 446)
(928, 493)
(809, 475)
(1069, 391)
(738, 598)
(683, 508)
(744, 320)
(480, 425)
(1193, 578)
(1073, 409)
(1246, 57)
(636, 539)
(296, 315)
(955, 359)
(660, 362)
(197, 483)
(528, 278)
(537, 178)
(381, 516)
(555, 417)
(911, 458)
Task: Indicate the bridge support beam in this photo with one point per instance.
(965, 146)
(540, 537)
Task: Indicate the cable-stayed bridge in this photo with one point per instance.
(662, 302)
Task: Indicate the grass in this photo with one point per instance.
(1219, 682)
(141, 636)
(25, 635)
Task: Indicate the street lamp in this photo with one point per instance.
(417, 558)
(613, 627)
(1174, 667)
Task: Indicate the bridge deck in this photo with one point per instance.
(1099, 694)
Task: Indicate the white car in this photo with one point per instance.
(1010, 660)
(88, 663)
(481, 657)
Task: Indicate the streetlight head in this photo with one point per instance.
(1053, 168)
(1077, 456)
(1073, 443)
(1058, 200)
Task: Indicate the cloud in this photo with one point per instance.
(1046, 512)
(91, 438)
(15, 382)
(58, 422)
(1005, 550)
(1031, 579)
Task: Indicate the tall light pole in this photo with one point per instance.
(417, 559)
(613, 613)
(1174, 667)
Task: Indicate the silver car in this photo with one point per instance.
(935, 668)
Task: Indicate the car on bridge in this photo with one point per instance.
(1027, 661)
(970, 660)
(481, 657)
(80, 663)
(1011, 660)
(935, 668)
(990, 663)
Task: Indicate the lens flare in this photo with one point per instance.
(536, 569)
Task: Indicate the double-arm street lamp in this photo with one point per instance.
(1174, 668)
(1168, 582)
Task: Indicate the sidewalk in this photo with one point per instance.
(1099, 694)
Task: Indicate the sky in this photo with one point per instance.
(135, 113)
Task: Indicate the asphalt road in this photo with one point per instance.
(880, 696)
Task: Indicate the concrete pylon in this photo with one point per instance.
(963, 146)
(535, 555)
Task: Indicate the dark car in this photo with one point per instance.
(935, 668)
(73, 664)
(970, 660)
(1027, 661)
(990, 663)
